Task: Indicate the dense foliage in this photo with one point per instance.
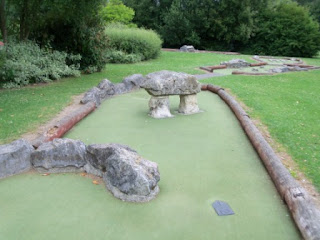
(73, 26)
(313, 6)
(286, 30)
(206, 24)
(24, 63)
(116, 12)
(231, 25)
(131, 44)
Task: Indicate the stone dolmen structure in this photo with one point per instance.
(161, 85)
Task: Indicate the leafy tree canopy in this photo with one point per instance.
(116, 11)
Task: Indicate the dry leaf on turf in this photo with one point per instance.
(45, 174)
(95, 182)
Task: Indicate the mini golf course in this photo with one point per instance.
(202, 158)
(265, 66)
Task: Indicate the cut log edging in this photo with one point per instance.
(65, 124)
(303, 210)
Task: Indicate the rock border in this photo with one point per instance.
(303, 210)
(129, 177)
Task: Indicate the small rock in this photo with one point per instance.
(121, 88)
(279, 70)
(107, 89)
(93, 95)
(15, 158)
(187, 48)
(60, 155)
(236, 63)
(134, 81)
(127, 176)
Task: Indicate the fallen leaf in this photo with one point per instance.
(95, 182)
(45, 174)
(83, 174)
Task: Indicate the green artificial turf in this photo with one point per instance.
(202, 158)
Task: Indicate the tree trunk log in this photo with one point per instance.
(3, 21)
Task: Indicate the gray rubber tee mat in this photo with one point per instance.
(222, 208)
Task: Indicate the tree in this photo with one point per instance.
(286, 30)
(313, 6)
(3, 20)
(177, 29)
(116, 11)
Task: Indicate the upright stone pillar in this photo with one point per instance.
(188, 104)
(159, 107)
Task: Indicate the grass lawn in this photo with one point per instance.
(288, 104)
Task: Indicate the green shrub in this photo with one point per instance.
(26, 63)
(139, 42)
(286, 30)
(115, 56)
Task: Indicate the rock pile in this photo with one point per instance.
(125, 173)
(236, 63)
(107, 89)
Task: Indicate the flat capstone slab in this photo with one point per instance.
(165, 83)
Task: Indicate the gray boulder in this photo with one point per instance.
(93, 95)
(134, 81)
(15, 158)
(236, 63)
(60, 155)
(279, 70)
(106, 89)
(166, 83)
(121, 88)
(187, 48)
(127, 175)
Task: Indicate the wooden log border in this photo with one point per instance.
(303, 210)
(258, 64)
(65, 124)
(251, 73)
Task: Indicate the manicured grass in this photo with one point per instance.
(22, 110)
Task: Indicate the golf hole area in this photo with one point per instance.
(202, 158)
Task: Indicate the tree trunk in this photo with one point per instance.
(3, 20)
(24, 20)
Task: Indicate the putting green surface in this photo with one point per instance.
(202, 158)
